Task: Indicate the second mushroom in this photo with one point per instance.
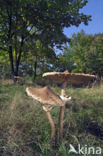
(48, 98)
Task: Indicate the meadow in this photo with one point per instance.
(25, 130)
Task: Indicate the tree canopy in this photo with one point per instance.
(84, 54)
(24, 20)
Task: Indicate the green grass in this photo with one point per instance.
(25, 131)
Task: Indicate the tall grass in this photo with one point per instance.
(25, 131)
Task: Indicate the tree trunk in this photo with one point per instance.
(12, 64)
(19, 57)
(35, 68)
(11, 61)
(9, 12)
(14, 71)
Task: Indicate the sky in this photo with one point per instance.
(95, 9)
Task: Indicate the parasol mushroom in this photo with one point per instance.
(48, 98)
(64, 77)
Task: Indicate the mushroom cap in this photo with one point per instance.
(77, 78)
(45, 95)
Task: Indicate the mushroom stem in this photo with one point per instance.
(62, 110)
(51, 123)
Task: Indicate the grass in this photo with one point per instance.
(25, 131)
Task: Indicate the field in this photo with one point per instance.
(25, 131)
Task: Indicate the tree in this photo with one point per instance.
(39, 56)
(86, 53)
(65, 61)
(43, 20)
(95, 56)
(13, 31)
(80, 44)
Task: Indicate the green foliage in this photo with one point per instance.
(84, 54)
(24, 21)
(39, 57)
(95, 58)
(65, 60)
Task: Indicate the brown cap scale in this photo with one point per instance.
(45, 96)
(69, 77)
